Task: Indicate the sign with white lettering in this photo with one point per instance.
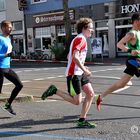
(51, 18)
(130, 8)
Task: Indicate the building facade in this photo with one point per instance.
(112, 20)
(10, 11)
(44, 23)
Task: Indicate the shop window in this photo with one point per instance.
(123, 22)
(17, 25)
(46, 31)
(123, 26)
(17, 42)
(46, 43)
(106, 7)
(38, 43)
(2, 5)
(61, 30)
(103, 34)
(102, 24)
(120, 33)
(39, 32)
(43, 38)
(37, 1)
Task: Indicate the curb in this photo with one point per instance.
(65, 62)
(38, 61)
(19, 98)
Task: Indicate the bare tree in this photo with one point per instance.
(67, 22)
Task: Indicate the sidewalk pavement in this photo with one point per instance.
(28, 98)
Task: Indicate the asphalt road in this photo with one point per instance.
(119, 118)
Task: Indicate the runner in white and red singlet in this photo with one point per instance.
(80, 44)
(77, 74)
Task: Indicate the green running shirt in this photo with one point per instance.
(137, 45)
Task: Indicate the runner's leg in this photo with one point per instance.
(119, 84)
(13, 77)
(1, 79)
(76, 100)
(87, 88)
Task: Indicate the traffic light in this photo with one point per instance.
(22, 4)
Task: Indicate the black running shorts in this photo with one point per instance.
(131, 70)
(75, 83)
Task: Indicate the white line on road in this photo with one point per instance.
(39, 79)
(107, 70)
(27, 70)
(59, 76)
(116, 91)
(26, 81)
(50, 77)
(40, 69)
(108, 77)
(137, 103)
(36, 69)
(50, 100)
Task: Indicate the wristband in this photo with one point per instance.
(129, 50)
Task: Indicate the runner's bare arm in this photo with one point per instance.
(77, 61)
(122, 43)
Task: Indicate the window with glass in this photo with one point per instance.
(46, 42)
(61, 30)
(17, 25)
(120, 33)
(123, 26)
(126, 21)
(103, 34)
(102, 24)
(2, 5)
(37, 1)
(42, 38)
(38, 43)
(45, 31)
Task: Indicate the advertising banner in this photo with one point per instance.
(96, 45)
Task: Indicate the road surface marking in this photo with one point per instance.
(59, 76)
(27, 70)
(121, 89)
(24, 134)
(50, 77)
(39, 79)
(50, 100)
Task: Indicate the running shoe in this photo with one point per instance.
(85, 124)
(9, 109)
(49, 92)
(98, 102)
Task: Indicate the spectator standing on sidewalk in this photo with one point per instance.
(5, 70)
(132, 39)
(77, 74)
